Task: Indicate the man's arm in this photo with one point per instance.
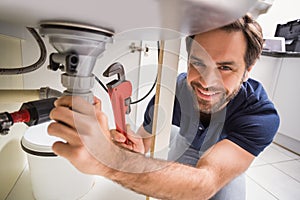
(167, 180)
(157, 178)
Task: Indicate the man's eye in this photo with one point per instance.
(225, 68)
(198, 64)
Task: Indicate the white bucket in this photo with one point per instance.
(52, 177)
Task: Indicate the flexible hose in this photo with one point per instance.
(35, 66)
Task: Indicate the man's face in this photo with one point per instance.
(216, 68)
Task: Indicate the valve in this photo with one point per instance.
(31, 113)
(67, 62)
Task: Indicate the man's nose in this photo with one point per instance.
(209, 77)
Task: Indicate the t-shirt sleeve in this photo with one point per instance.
(254, 131)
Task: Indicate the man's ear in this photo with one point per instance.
(247, 73)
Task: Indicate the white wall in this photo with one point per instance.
(281, 12)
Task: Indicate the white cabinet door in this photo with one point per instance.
(279, 76)
(287, 97)
(266, 71)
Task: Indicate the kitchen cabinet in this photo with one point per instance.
(279, 73)
(266, 71)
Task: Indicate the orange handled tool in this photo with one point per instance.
(119, 91)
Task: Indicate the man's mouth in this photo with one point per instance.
(206, 95)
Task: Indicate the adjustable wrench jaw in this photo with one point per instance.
(115, 69)
(119, 91)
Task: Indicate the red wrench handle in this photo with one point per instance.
(119, 96)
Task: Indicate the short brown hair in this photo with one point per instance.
(252, 32)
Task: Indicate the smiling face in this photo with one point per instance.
(216, 68)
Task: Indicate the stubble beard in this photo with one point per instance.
(209, 107)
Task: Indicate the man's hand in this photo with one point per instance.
(85, 129)
(135, 142)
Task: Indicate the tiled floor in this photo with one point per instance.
(275, 174)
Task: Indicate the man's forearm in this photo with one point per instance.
(161, 179)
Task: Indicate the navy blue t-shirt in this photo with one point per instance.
(249, 120)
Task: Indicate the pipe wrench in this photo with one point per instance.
(119, 91)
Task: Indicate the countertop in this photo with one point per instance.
(278, 54)
(103, 189)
